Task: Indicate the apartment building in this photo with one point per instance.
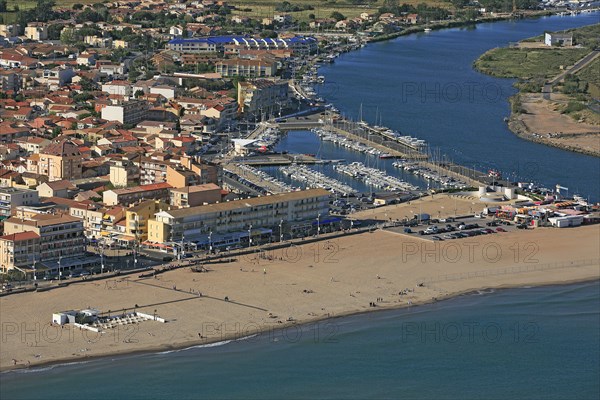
(239, 221)
(247, 68)
(127, 196)
(128, 113)
(61, 239)
(18, 250)
(10, 81)
(59, 160)
(137, 217)
(298, 44)
(153, 170)
(122, 88)
(263, 96)
(11, 197)
(192, 196)
(91, 216)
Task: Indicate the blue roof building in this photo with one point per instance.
(211, 44)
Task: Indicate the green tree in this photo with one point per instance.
(338, 16)
(3, 6)
(43, 10)
(268, 34)
(54, 31)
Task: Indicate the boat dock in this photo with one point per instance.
(269, 160)
(374, 139)
(258, 178)
(315, 179)
(379, 138)
(374, 177)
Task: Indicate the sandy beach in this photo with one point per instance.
(303, 284)
(543, 122)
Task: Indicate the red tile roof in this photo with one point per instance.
(16, 237)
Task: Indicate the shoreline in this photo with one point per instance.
(302, 322)
(38, 367)
(515, 121)
(518, 128)
(460, 24)
(309, 283)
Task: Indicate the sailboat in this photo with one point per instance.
(360, 116)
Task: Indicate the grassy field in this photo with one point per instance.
(528, 63)
(322, 8)
(266, 8)
(534, 66)
(591, 76)
(543, 63)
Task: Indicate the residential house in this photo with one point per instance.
(55, 189)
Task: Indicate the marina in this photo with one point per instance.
(315, 179)
(264, 182)
(429, 174)
(374, 177)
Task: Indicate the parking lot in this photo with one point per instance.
(455, 228)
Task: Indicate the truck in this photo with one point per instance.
(490, 210)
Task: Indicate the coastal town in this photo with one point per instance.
(139, 146)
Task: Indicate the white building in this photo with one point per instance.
(121, 88)
(168, 92)
(36, 32)
(558, 39)
(127, 113)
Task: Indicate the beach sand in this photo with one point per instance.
(307, 283)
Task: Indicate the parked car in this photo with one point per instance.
(436, 238)
(500, 230)
(488, 230)
(431, 229)
(408, 230)
(521, 226)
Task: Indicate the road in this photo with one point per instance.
(578, 66)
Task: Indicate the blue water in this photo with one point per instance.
(424, 85)
(524, 343)
(307, 142)
(535, 343)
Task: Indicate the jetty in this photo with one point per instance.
(316, 179)
(374, 177)
(259, 178)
